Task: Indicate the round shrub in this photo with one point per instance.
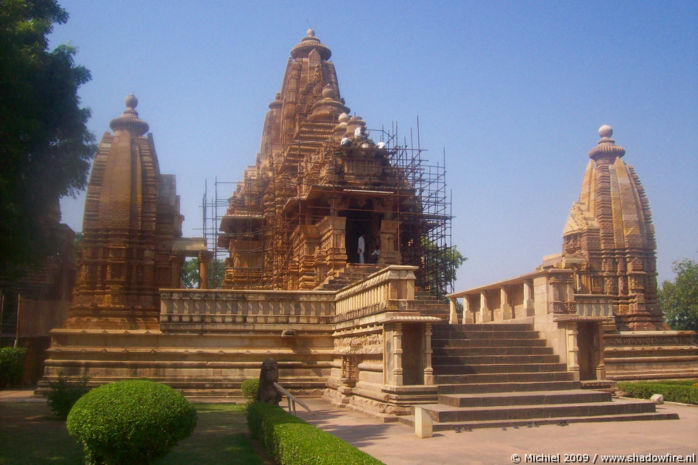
(249, 389)
(130, 422)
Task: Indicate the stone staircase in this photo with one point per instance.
(499, 375)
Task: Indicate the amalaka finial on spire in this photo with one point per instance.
(605, 131)
(129, 121)
(308, 43)
(131, 101)
(606, 147)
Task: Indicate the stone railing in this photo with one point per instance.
(225, 310)
(593, 305)
(389, 289)
(500, 301)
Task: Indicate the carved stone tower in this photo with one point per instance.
(130, 223)
(609, 238)
(321, 194)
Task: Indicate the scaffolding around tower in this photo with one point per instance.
(268, 214)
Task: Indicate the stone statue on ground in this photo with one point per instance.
(267, 377)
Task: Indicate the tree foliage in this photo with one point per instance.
(442, 264)
(192, 280)
(679, 300)
(45, 147)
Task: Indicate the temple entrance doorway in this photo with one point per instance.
(362, 223)
(589, 349)
(412, 354)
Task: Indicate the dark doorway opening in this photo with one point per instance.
(589, 349)
(362, 222)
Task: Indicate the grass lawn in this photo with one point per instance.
(30, 435)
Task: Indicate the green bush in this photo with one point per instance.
(673, 392)
(291, 441)
(11, 365)
(62, 395)
(130, 422)
(249, 389)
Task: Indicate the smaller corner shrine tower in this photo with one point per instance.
(130, 224)
(609, 238)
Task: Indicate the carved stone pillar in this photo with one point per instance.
(556, 290)
(507, 310)
(204, 265)
(452, 311)
(176, 262)
(572, 349)
(397, 379)
(467, 311)
(428, 369)
(601, 367)
(388, 239)
(484, 311)
(528, 297)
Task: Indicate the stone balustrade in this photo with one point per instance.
(225, 310)
(593, 305)
(547, 291)
(389, 289)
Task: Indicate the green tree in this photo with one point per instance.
(441, 266)
(679, 300)
(45, 147)
(190, 274)
(191, 279)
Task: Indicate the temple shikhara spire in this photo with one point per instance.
(610, 229)
(323, 199)
(130, 224)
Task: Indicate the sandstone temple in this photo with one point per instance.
(329, 272)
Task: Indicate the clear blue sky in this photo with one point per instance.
(514, 90)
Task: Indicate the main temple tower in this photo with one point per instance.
(322, 197)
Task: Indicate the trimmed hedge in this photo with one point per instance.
(674, 392)
(130, 422)
(62, 395)
(249, 389)
(291, 441)
(11, 365)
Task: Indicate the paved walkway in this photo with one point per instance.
(20, 395)
(396, 444)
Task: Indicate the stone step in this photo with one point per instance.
(503, 377)
(535, 422)
(482, 327)
(513, 357)
(567, 396)
(492, 351)
(462, 343)
(445, 413)
(503, 368)
(487, 335)
(516, 386)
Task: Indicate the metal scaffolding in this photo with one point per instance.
(419, 189)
